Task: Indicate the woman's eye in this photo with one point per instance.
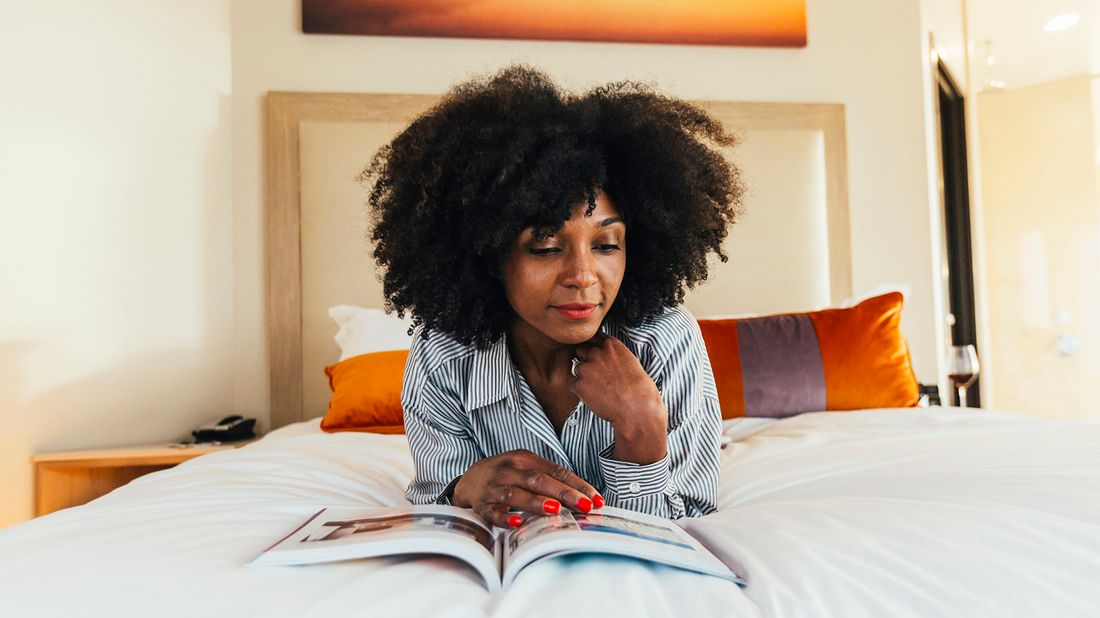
(543, 250)
(607, 248)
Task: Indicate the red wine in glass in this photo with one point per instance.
(962, 368)
(962, 379)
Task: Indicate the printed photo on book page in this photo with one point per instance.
(608, 531)
(346, 534)
(403, 523)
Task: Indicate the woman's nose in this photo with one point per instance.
(580, 271)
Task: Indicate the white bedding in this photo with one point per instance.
(937, 512)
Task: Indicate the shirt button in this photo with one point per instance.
(635, 487)
(572, 422)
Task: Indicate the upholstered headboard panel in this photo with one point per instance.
(790, 251)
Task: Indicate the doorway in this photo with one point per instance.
(956, 216)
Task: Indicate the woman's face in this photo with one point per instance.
(563, 286)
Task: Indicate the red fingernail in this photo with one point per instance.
(584, 504)
(598, 501)
(551, 506)
(515, 521)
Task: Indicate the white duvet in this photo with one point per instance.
(932, 512)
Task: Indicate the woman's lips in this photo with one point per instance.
(575, 311)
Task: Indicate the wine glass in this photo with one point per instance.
(962, 368)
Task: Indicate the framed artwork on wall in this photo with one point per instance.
(756, 23)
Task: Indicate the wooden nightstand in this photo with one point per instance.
(71, 478)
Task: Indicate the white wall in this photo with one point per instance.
(863, 53)
(116, 316)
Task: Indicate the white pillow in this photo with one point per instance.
(363, 330)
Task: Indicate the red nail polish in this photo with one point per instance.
(598, 501)
(515, 521)
(584, 504)
(551, 506)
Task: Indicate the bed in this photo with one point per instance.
(892, 512)
(873, 512)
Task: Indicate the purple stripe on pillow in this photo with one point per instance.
(780, 366)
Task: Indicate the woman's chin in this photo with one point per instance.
(576, 335)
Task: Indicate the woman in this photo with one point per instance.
(542, 242)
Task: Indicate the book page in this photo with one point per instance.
(608, 531)
(345, 534)
(404, 522)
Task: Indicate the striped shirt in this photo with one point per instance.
(463, 404)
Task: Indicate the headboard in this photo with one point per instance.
(790, 251)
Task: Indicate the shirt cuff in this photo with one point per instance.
(448, 492)
(630, 480)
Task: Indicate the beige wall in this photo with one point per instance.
(875, 71)
(116, 318)
(1041, 196)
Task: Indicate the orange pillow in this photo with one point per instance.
(366, 393)
(835, 359)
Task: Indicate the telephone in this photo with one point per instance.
(229, 429)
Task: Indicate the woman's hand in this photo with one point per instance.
(521, 480)
(610, 380)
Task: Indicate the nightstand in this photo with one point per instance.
(71, 478)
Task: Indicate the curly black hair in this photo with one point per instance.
(503, 153)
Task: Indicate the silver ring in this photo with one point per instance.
(573, 366)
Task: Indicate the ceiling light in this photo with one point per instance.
(1062, 22)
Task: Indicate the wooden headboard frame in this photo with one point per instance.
(286, 110)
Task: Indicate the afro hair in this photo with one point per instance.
(500, 154)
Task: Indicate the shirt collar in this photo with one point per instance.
(492, 376)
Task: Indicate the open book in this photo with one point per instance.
(498, 555)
